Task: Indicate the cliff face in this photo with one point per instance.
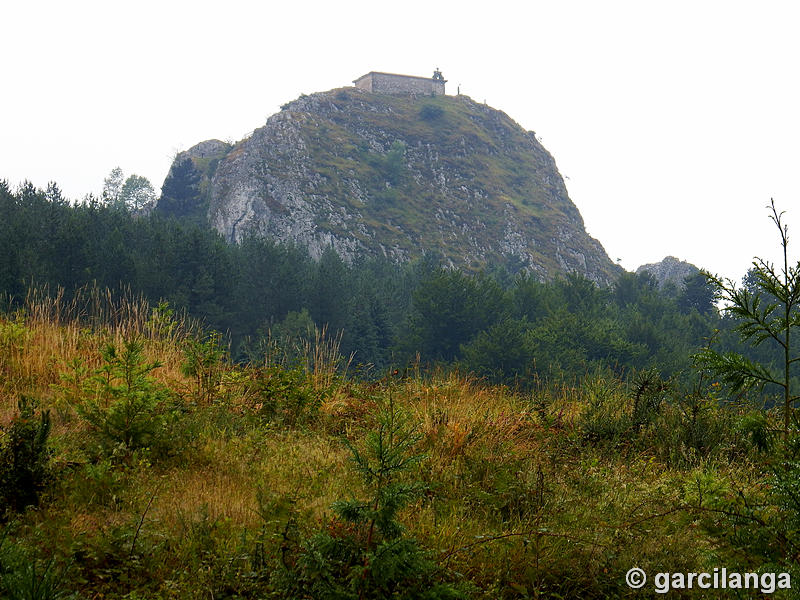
(399, 176)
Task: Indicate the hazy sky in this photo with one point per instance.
(674, 123)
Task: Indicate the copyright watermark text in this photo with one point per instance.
(718, 579)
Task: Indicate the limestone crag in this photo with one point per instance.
(669, 270)
(399, 176)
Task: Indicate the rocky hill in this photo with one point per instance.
(669, 270)
(398, 176)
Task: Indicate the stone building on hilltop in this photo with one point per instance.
(389, 83)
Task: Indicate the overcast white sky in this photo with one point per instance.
(674, 123)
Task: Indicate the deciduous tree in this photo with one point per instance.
(137, 192)
(112, 186)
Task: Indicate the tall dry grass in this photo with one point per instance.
(514, 498)
(50, 334)
(319, 354)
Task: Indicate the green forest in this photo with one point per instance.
(185, 418)
(502, 326)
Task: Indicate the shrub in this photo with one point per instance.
(99, 483)
(765, 312)
(692, 427)
(24, 458)
(606, 416)
(124, 400)
(759, 521)
(203, 362)
(13, 336)
(285, 395)
(431, 112)
(395, 163)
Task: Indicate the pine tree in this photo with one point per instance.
(364, 552)
(180, 193)
(767, 310)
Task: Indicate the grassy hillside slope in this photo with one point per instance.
(226, 486)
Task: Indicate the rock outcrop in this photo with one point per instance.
(669, 270)
(398, 176)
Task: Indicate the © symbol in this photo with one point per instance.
(635, 578)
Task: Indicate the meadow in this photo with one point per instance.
(138, 461)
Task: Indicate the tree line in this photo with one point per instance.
(506, 327)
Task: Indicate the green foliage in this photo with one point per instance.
(162, 323)
(204, 359)
(607, 415)
(133, 193)
(450, 308)
(330, 294)
(762, 522)
(137, 192)
(112, 186)
(363, 552)
(123, 402)
(754, 426)
(386, 313)
(388, 452)
(681, 426)
(697, 294)
(573, 343)
(370, 334)
(734, 369)
(286, 395)
(533, 299)
(515, 500)
(207, 564)
(767, 310)
(581, 296)
(24, 458)
(25, 577)
(295, 327)
(693, 427)
(635, 289)
(784, 486)
(101, 483)
(121, 561)
(180, 195)
(500, 353)
(431, 112)
(394, 163)
(13, 335)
